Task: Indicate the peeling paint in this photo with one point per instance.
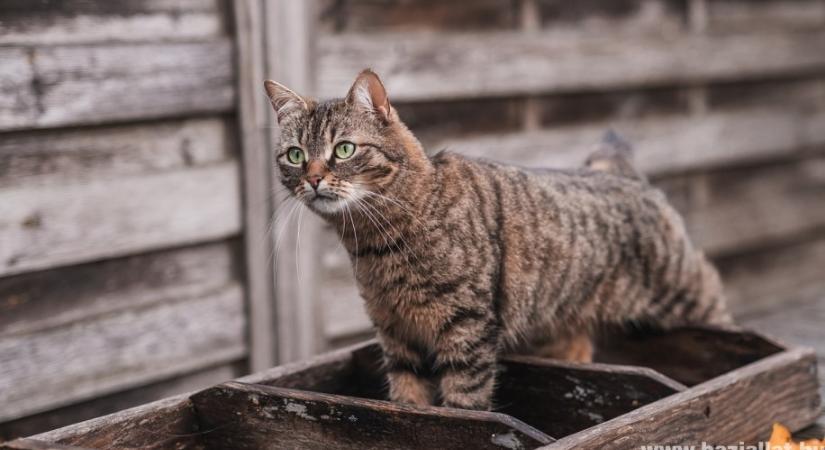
(299, 410)
(506, 440)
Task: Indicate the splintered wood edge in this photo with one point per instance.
(649, 422)
(101, 424)
(33, 444)
(618, 369)
(385, 405)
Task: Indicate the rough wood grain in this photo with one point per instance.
(58, 297)
(119, 350)
(247, 416)
(87, 84)
(118, 401)
(432, 15)
(662, 144)
(168, 423)
(562, 398)
(725, 410)
(776, 277)
(79, 21)
(787, 14)
(690, 356)
(83, 154)
(45, 224)
(748, 208)
(31, 444)
(253, 122)
(421, 66)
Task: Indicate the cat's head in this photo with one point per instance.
(337, 153)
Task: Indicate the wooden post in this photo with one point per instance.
(531, 23)
(698, 23)
(289, 43)
(257, 184)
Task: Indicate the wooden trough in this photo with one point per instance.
(688, 386)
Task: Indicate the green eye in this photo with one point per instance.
(295, 155)
(344, 150)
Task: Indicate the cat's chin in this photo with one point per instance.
(326, 205)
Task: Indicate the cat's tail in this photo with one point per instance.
(614, 155)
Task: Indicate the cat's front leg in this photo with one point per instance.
(468, 363)
(405, 369)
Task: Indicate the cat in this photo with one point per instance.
(460, 260)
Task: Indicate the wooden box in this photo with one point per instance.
(688, 386)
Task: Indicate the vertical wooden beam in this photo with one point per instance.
(530, 23)
(289, 47)
(252, 120)
(698, 23)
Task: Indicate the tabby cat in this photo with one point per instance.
(462, 260)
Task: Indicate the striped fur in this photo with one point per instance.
(461, 260)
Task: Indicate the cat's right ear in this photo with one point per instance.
(283, 99)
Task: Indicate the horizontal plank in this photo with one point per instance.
(44, 226)
(58, 297)
(662, 144)
(81, 154)
(86, 84)
(371, 16)
(428, 66)
(733, 211)
(43, 370)
(775, 278)
(72, 22)
(108, 404)
(744, 14)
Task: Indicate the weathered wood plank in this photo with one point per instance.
(690, 355)
(73, 22)
(662, 145)
(775, 278)
(370, 16)
(743, 14)
(245, 416)
(713, 412)
(31, 444)
(119, 350)
(59, 297)
(561, 398)
(109, 404)
(56, 224)
(114, 151)
(253, 123)
(422, 66)
(85, 84)
(169, 422)
(752, 207)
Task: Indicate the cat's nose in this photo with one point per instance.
(314, 181)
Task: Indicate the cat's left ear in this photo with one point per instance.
(368, 94)
(283, 99)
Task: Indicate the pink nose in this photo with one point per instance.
(314, 180)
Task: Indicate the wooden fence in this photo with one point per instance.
(120, 206)
(136, 192)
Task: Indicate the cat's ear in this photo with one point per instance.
(368, 94)
(283, 99)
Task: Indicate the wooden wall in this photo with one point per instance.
(135, 186)
(121, 270)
